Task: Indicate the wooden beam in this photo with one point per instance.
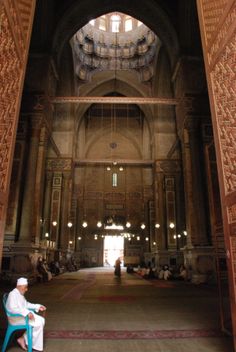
(120, 162)
(114, 100)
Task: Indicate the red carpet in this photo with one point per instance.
(131, 335)
(77, 291)
(116, 299)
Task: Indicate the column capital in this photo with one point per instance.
(59, 164)
(189, 75)
(191, 106)
(44, 135)
(67, 175)
(167, 166)
(34, 102)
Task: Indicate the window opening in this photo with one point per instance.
(115, 23)
(114, 180)
(128, 24)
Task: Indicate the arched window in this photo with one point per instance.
(128, 24)
(102, 23)
(115, 23)
(114, 180)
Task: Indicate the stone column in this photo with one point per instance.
(24, 250)
(193, 180)
(199, 256)
(55, 220)
(160, 232)
(38, 221)
(169, 191)
(66, 206)
(57, 208)
(47, 204)
(29, 188)
(161, 256)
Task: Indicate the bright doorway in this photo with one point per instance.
(113, 249)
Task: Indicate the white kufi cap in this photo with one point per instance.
(22, 281)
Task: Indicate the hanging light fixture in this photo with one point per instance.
(143, 226)
(172, 225)
(69, 224)
(128, 224)
(99, 224)
(84, 224)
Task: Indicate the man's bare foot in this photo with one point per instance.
(21, 342)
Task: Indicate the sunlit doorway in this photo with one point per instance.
(113, 249)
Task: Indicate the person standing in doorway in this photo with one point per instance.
(117, 267)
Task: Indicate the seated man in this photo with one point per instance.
(43, 270)
(164, 273)
(17, 304)
(183, 273)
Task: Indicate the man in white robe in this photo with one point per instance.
(17, 304)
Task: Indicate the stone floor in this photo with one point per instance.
(91, 310)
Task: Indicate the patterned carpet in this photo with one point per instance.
(116, 299)
(92, 310)
(131, 335)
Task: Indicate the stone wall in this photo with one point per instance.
(15, 31)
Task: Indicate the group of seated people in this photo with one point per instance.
(163, 273)
(47, 271)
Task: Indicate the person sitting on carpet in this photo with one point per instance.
(43, 270)
(17, 304)
(183, 273)
(164, 273)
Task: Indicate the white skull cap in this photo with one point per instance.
(22, 281)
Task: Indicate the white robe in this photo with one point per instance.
(17, 304)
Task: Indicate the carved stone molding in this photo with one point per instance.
(231, 212)
(224, 89)
(168, 167)
(226, 29)
(44, 136)
(218, 20)
(9, 74)
(56, 164)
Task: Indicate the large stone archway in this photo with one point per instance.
(153, 16)
(219, 54)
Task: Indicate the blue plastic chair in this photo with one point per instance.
(12, 328)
